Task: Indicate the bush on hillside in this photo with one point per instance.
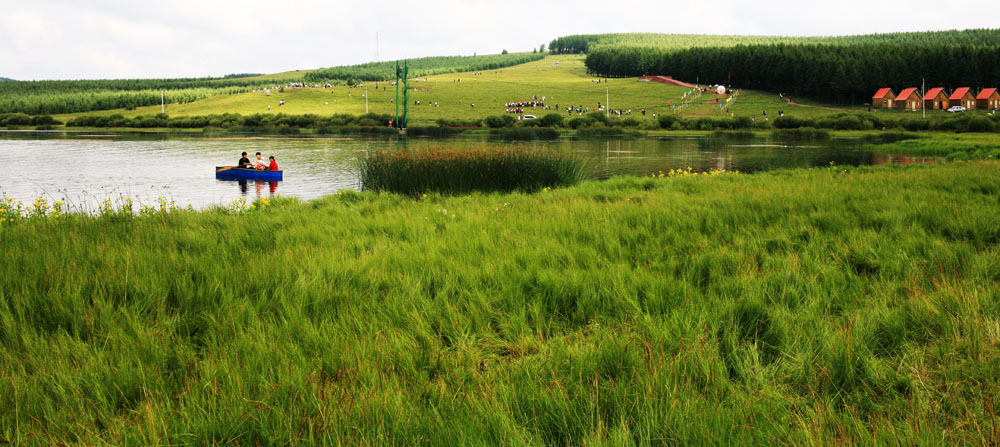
(552, 120)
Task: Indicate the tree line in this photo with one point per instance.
(71, 96)
(587, 43)
(86, 101)
(425, 66)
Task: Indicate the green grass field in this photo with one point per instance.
(840, 306)
(564, 85)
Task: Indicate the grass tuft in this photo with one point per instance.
(503, 169)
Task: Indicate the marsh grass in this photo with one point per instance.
(808, 307)
(485, 169)
(952, 146)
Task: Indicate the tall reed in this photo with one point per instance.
(514, 168)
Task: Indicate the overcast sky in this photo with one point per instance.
(82, 39)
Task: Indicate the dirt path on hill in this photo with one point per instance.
(793, 103)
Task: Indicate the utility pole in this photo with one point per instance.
(396, 121)
(366, 100)
(163, 105)
(406, 94)
(923, 103)
(607, 99)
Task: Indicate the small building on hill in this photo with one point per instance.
(989, 98)
(962, 96)
(909, 99)
(936, 99)
(884, 98)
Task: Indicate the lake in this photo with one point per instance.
(86, 168)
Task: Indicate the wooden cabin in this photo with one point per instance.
(962, 97)
(989, 98)
(909, 99)
(936, 99)
(884, 98)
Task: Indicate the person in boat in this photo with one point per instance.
(259, 163)
(244, 161)
(274, 165)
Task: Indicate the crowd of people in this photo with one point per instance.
(519, 106)
(580, 110)
(258, 163)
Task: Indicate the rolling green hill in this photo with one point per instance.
(560, 79)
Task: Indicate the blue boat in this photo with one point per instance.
(235, 173)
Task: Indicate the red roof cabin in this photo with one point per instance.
(909, 99)
(963, 97)
(884, 98)
(989, 98)
(936, 99)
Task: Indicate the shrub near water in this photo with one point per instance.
(461, 171)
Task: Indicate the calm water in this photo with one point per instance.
(84, 169)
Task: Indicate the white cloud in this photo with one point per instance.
(57, 39)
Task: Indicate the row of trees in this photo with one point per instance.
(587, 43)
(85, 101)
(91, 85)
(426, 66)
(41, 97)
(846, 74)
(233, 120)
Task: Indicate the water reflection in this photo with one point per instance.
(258, 187)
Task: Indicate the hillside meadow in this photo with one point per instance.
(837, 306)
(565, 84)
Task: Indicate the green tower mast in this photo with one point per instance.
(403, 75)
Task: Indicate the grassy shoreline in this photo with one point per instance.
(826, 306)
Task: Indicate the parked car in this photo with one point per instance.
(528, 117)
(954, 109)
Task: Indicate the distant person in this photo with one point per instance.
(274, 165)
(259, 162)
(244, 161)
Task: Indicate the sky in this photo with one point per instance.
(84, 39)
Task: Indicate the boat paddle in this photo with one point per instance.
(224, 168)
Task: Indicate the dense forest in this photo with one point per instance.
(588, 43)
(838, 73)
(843, 69)
(425, 66)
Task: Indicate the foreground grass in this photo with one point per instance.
(804, 307)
